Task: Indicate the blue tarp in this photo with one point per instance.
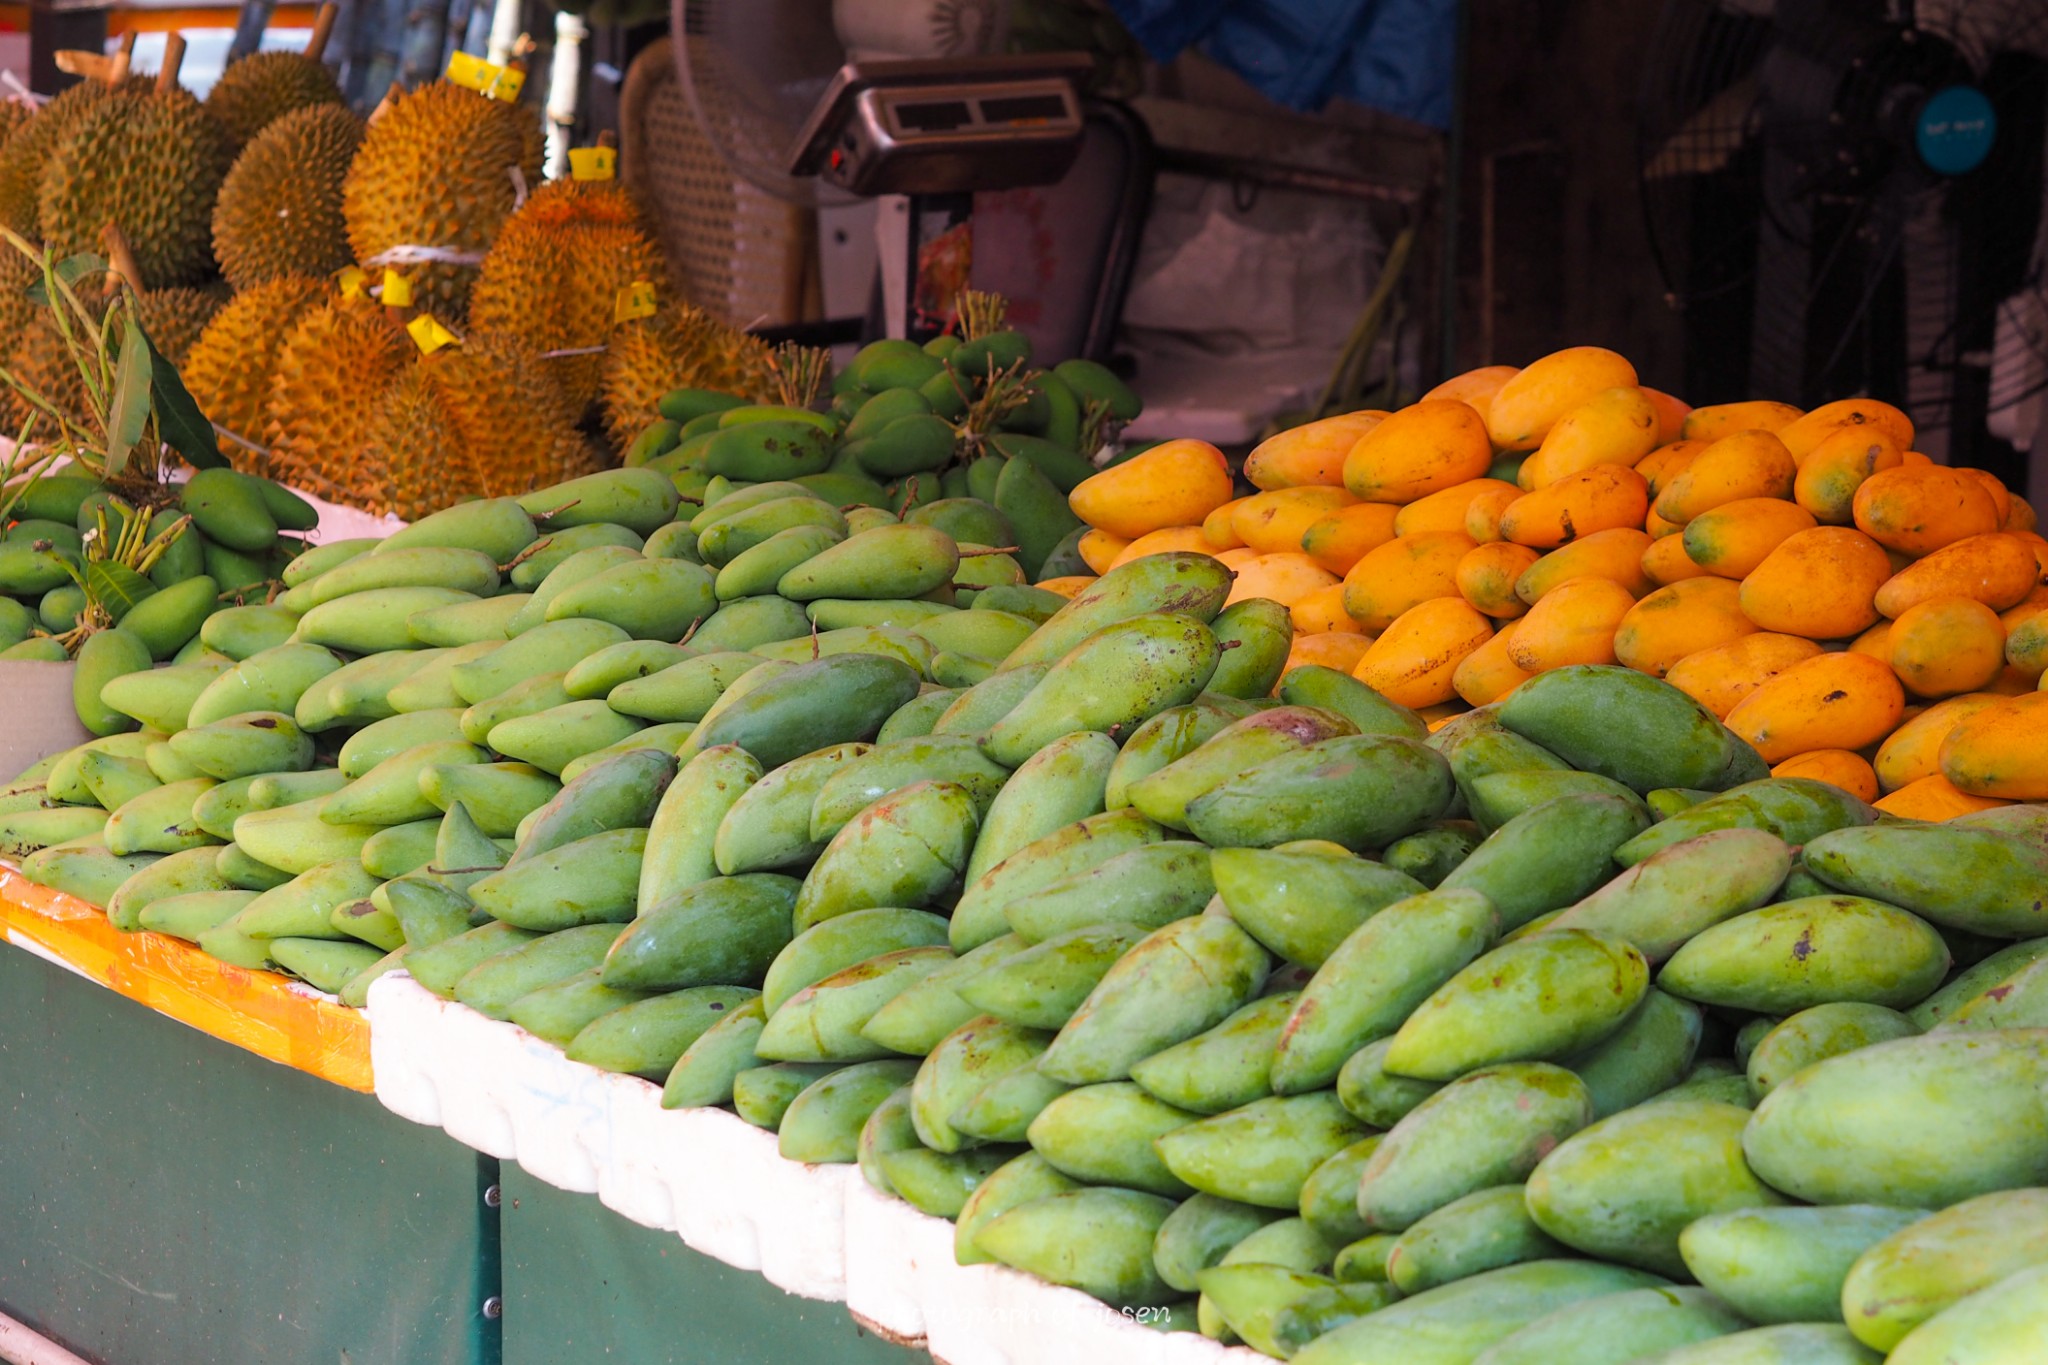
(1394, 55)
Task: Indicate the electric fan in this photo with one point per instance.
(1845, 197)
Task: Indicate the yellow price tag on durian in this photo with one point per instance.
(501, 83)
(636, 300)
(593, 163)
(352, 281)
(397, 291)
(428, 334)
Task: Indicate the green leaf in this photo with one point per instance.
(115, 586)
(128, 409)
(69, 270)
(179, 421)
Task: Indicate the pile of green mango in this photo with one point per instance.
(961, 435)
(238, 534)
(1562, 1033)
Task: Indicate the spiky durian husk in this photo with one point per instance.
(279, 211)
(484, 418)
(554, 275)
(14, 115)
(152, 166)
(680, 347)
(263, 87)
(436, 170)
(416, 463)
(329, 373)
(18, 313)
(231, 365)
(28, 148)
(174, 318)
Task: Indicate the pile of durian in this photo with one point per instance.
(244, 213)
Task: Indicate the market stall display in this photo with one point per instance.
(1088, 915)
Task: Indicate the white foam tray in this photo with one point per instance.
(816, 1231)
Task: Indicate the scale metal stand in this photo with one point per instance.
(930, 134)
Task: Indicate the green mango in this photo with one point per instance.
(1361, 791)
(724, 931)
(891, 561)
(1365, 708)
(1624, 1188)
(355, 992)
(684, 692)
(609, 668)
(1815, 1034)
(823, 1123)
(1798, 810)
(1373, 1094)
(1684, 889)
(551, 739)
(1638, 730)
(438, 966)
(823, 1021)
(766, 450)
(26, 831)
(1066, 852)
(1223, 1067)
(1179, 981)
(418, 567)
(1457, 1321)
(1255, 635)
(649, 599)
(1365, 1260)
(1963, 988)
(1165, 739)
(398, 849)
(1147, 888)
(358, 692)
(1482, 1231)
(915, 1021)
(431, 687)
(1979, 880)
(761, 1095)
(592, 880)
(497, 795)
(303, 907)
(768, 826)
(1242, 745)
(640, 499)
(1534, 999)
(1017, 1182)
(1488, 1128)
(1329, 1196)
(364, 920)
(1261, 1153)
(190, 915)
(2001, 1322)
(962, 1064)
(703, 1076)
(886, 768)
(1199, 1233)
(392, 736)
(1114, 681)
(1301, 905)
(1646, 1056)
(158, 820)
(682, 405)
(845, 941)
(230, 509)
(1636, 1324)
(1096, 1240)
(538, 563)
(545, 649)
(1037, 507)
(179, 874)
(685, 825)
(1807, 952)
(811, 706)
(724, 534)
(907, 849)
(1786, 1264)
(561, 1010)
(488, 619)
(648, 1037)
(982, 704)
(1549, 856)
(169, 619)
(1371, 982)
(1061, 783)
(1042, 986)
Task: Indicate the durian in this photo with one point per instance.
(262, 87)
(680, 347)
(29, 147)
(177, 317)
(279, 211)
(441, 167)
(14, 115)
(330, 371)
(231, 365)
(481, 418)
(553, 277)
(152, 164)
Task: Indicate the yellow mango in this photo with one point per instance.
(1803, 435)
(1720, 678)
(1615, 554)
(1322, 612)
(1487, 576)
(1748, 464)
(1177, 483)
(1831, 701)
(1913, 751)
(1946, 646)
(1732, 539)
(1163, 541)
(1934, 798)
(1445, 510)
(1476, 387)
(1422, 449)
(1349, 534)
(1099, 549)
(1526, 407)
(1340, 650)
(1414, 661)
(1285, 578)
(1574, 623)
(2001, 751)
(1615, 426)
(1597, 499)
(1274, 522)
(1310, 454)
(1834, 469)
(1836, 767)
(1716, 420)
(1402, 573)
(1487, 674)
(1680, 620)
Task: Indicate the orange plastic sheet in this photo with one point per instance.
(261, 1012)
